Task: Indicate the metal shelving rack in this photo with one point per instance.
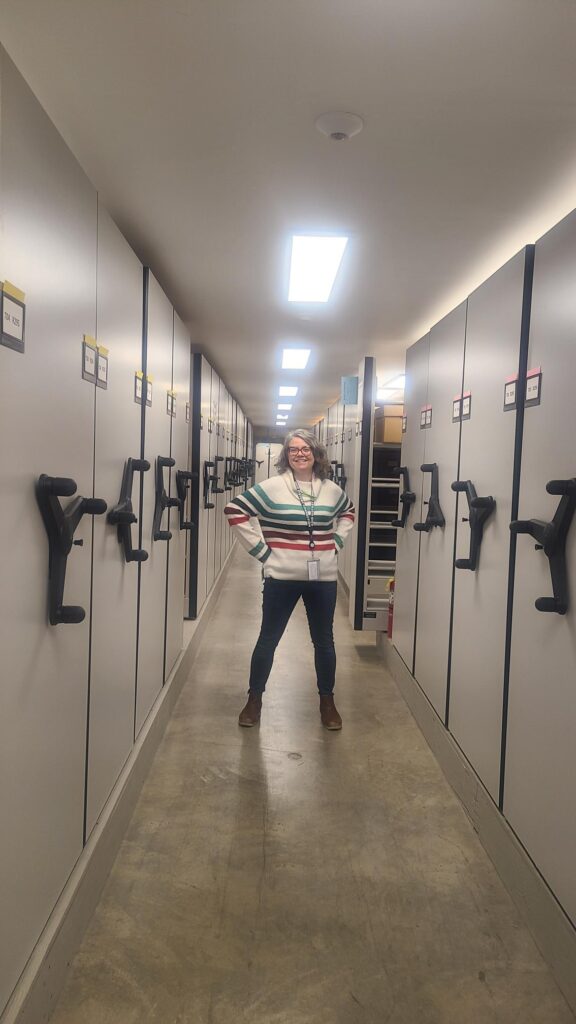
(381, 561)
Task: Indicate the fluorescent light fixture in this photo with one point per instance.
(295, 358)
(283, 405)
(286, 392)
(313, 267)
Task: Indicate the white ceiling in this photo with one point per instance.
(195, 120)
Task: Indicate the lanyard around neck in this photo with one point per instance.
(308, 511)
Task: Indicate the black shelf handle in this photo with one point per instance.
(551, 539)
(122, 515)
(479, 511)
(207, 480)
(434, 516)
(162, 500)
(215, 476)
(183, 481)
(241, 473)
(342, 478)
(248, 469)
(57, 486)
(238, 477)
(230, 473)
(337, 474)
(60, 524)
(407, 498)
(238, 473)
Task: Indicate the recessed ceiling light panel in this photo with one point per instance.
(295, 358)
(314, 264)
(287, 392)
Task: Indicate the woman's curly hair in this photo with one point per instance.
(321, 467)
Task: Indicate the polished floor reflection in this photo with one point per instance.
(289, 875)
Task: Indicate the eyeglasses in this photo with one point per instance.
(305, 450)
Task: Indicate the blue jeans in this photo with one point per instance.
(280, 597)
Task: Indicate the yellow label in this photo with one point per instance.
(11, 289)
(102, 351)
(90, 341)
(149, 378)
(139, 374)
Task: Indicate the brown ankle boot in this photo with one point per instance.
(328, 713)
(250, 714)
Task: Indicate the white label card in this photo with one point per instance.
(138, 389)
(313, 568)
(148, 392)
(510, 394)
(533, 388)
(89, 360)
(13, 319)
(102, 368)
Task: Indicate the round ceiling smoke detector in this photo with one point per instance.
(339, 126)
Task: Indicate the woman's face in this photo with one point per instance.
(300, 454)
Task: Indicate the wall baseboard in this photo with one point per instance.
(41, 982)
(550, 927)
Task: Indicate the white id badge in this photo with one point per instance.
(313, 568)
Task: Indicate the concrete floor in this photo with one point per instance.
(289, 875)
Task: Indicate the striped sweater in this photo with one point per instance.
(270, 523)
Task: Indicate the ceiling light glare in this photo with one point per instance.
(314, 264)
(295, 358)
(283, 405)
(397, 384)
(386, 394)
(287, 392)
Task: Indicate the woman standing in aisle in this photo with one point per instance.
(294, 524)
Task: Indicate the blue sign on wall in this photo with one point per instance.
(349, 391)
